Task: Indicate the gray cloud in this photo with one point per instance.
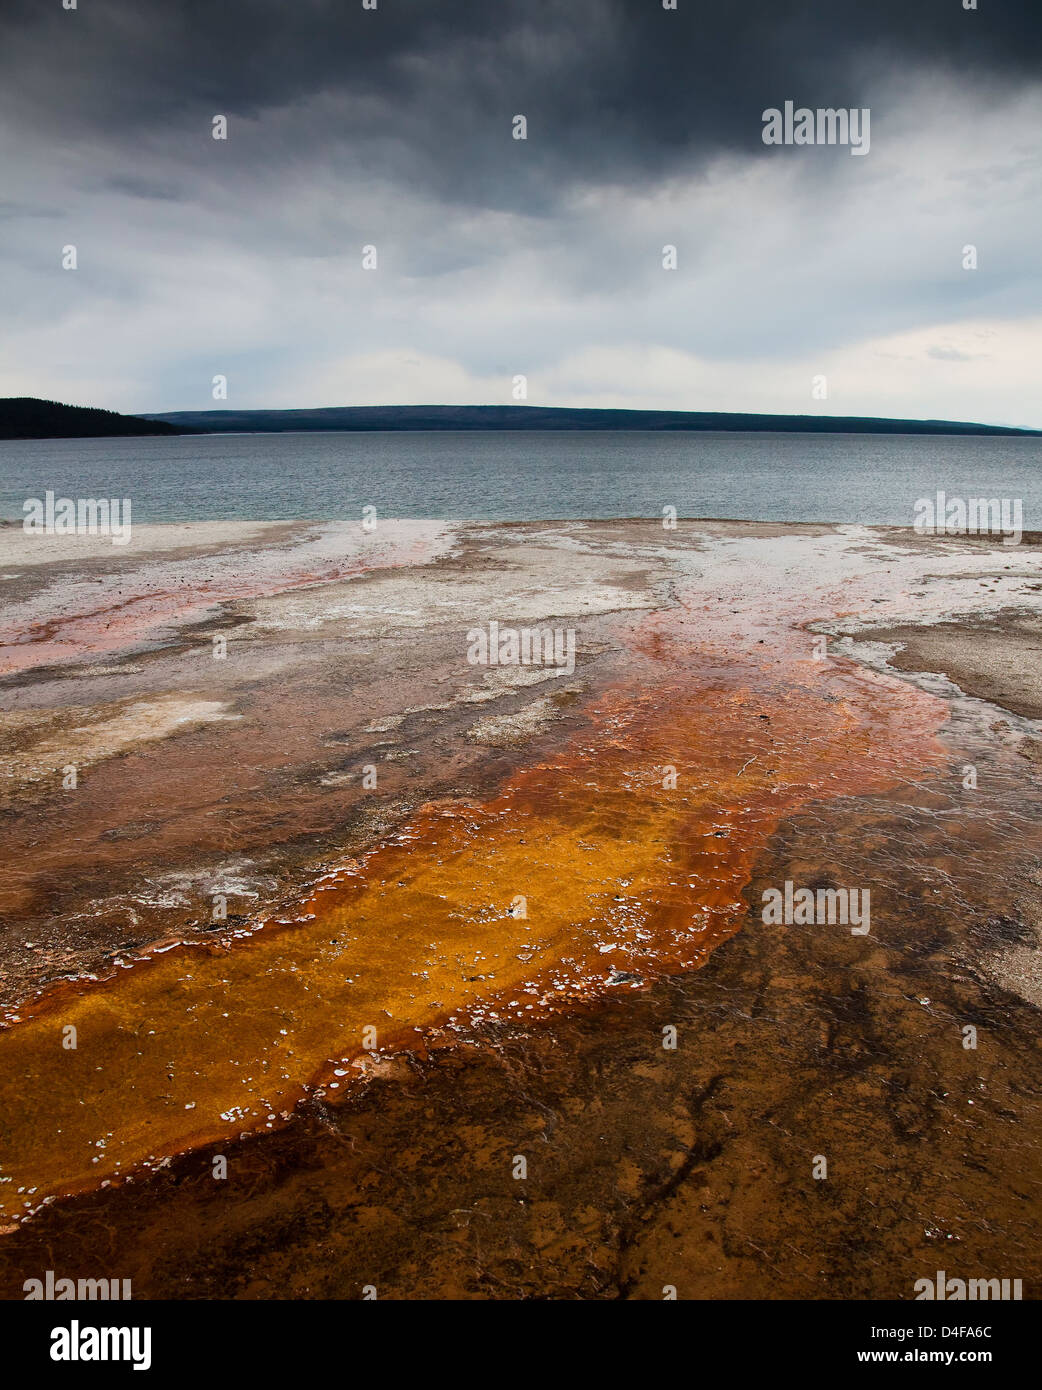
(612, 90)
(350, 126)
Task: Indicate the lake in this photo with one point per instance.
(525, 476)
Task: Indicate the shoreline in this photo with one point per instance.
(652, 637)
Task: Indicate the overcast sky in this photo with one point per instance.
(542, 257)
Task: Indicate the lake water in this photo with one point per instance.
(525, 476)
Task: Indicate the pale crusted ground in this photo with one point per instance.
(20, 548)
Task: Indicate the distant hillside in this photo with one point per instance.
(533, 417)
(24, 417)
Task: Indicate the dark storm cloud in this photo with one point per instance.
(350, 127)
(613, 91)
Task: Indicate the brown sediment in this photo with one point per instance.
(650, 1167)
(996, 656)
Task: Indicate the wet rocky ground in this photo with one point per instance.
(822, 1129)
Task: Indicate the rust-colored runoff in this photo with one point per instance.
(587, 871)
